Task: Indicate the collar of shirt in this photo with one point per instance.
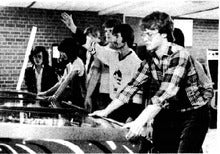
(34, 67)
(124, 56)
(169, 52)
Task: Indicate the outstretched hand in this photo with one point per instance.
(68, 21)
(42, 94)
(100, 113)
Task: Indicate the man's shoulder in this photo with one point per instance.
(79, 61)
(29, 69)
(135, 56)
(179, 51)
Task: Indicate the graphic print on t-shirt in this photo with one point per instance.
(117, 77)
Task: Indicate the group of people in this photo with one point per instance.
(165, 89)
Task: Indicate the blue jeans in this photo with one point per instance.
(182, 132)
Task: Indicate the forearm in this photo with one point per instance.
(64, 84)
(73, 28)
(53, 89)
(93, 81)
(148, 114)
(115, 104)
(134, 85)
(79, 36)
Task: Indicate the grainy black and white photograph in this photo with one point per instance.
(115, 76)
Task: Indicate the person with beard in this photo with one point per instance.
(123, 64)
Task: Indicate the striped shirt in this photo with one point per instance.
(175, 72)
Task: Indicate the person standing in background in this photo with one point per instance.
(71, 86)
(123, 63)
(40, 76)
(97, 96)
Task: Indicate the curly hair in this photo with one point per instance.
(37, 50)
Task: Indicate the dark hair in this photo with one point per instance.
(178, 37)
(127, 33)
(70, 47)
(37, 50)
(92, 30)
(111, 23)
(160, 21)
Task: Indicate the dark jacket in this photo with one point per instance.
(49, 79)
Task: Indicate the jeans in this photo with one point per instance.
(180, 132)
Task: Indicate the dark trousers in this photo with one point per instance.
(130, 110)
(180, 132)
(100, 101)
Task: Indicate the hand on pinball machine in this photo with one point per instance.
(53, 100)
(42, 94)
(100, 113)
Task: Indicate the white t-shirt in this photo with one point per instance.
(76, 65)
(121, 71)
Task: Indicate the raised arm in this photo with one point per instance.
(77, 34)
(68, 21)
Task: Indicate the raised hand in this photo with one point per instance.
(68, 21)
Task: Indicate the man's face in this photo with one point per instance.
(38, 59)
(118, 42)
(152, 39)
(108, 35)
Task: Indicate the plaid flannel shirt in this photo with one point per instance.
(171, 70)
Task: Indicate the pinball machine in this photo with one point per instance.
(26, 129)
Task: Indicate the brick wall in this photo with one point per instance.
(16, 25)
(205, 34)
(15, 29)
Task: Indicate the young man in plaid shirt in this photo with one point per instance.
(179, 103)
